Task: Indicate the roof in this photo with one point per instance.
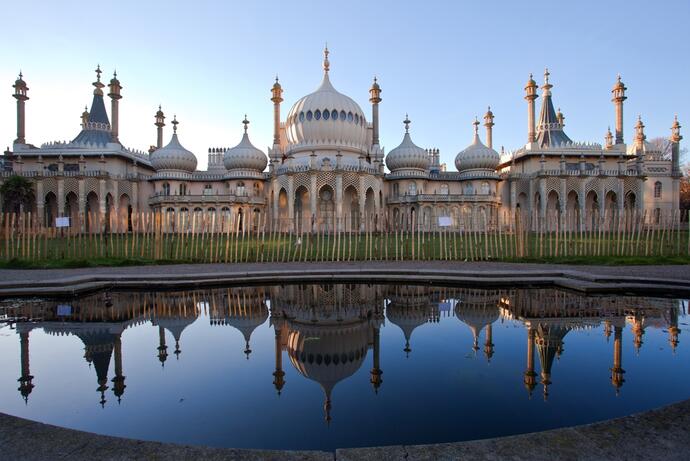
(549, 129)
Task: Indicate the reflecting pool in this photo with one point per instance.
(343, 365)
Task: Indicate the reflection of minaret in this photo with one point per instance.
(530, 375)
(673, 330)
(617, 370)
(25, 384)
(376, 370)
(607, 330)
(488, 345)
(162, 348)
(549, 340)
(638, 331)
(278, 375)
(119, 379)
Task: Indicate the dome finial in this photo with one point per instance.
(407, 123)
(326, 64)
(546, 75)
(98, 72)
(174, 124)
(476, 126)
(245, 122)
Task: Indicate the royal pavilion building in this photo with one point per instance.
(327, 170)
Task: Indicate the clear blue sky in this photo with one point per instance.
(442, 62)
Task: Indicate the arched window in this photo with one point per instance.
(301, 116)
(412, 188)
(317, 114)
(444, 189)
(257, 190)
(309, 115)
(240, 188)
(326, 114)
(396, 189)
(198, 210)
(208, 189)
(657, 189)
(183, 189)
(469, 190)
(485, 188)
(170, 210)
(166, 188)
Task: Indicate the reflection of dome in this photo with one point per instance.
(409, 313)
(245, 156)
(407, 156)
(173, 157)
(175, 325)
(477, 315)
(246, 321)
(326, 117)
(477, 156)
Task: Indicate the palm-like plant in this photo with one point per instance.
(16, 193)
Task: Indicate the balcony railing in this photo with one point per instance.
(209, 199)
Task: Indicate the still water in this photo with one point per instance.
(328, 366)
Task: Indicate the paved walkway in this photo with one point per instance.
(657, 434)
(653, 280)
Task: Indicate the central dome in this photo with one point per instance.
(326, 117)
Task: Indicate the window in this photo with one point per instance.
(350, 117)
(317, 114)
(444, 189)
(71, 167)
(301, 116)
(208, 189)
(240, 188)
(198, 210)
(170, 210)
(326, 114)
(357, 119)
(183, 189)
(485, 188)
(334, 114)
(657, 189)
(184, 209)
(412, 188)
(396, 189)
(166, 188)
(309, 115)
(257, 190)
(343, 115)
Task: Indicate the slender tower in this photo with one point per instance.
(618, 92)
(115, 97)
(530, 96)
(376, 370)
(276, 98)
(675, 148)
(278, 374)
(375, 99)
(529, 375)
(489, 124)
(617, 369)
(25, 380)
(20, 90)
(160, 123)
(119, 379)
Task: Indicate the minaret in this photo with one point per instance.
(160, 123)
(115, 97)
(489, 123)
(617, 370)
(609, 139)
(529, 375)
(638, 332)
(375, 99)
(278, 375)
(675, 149)
(618, 92)
(162, 348)
(376, 370)
(119, 379)
(25, 384)
(20, 90)
(276, 98)
(530, 96)
(84, 118)
(560, 117)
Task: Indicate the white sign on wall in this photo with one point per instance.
(62, 222)
(444, 221)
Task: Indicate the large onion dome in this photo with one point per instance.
(477, 155)
(407, 156)
(173, 156)
(245, 156)
(326, 116)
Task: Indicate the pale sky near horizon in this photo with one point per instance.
(441, 62)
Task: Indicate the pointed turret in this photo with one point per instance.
(489, 124)
(97, 130)
(115, 97)
(160, 123)
(375, 99)
(20, 94)
(549, 128)
(530, 96)
(276, 98)
(618, 93)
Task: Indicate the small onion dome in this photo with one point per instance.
(530, 82)
(245, 156)
(173, 156)
(407, 155)
(477, 155)
(619, 85)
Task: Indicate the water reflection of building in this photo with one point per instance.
(327, 331)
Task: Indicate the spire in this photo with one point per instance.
(326, 63)
(549, 128)
(98, 84)
(675, 130)
(174, 124)
(476, 128)
(246, 123)
(489, 124)
(609, 138)
(639, 130)
(407, 122)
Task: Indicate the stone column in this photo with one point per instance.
(82, 202)
(583, 202)
(339, 201)
(641, 194)
(291, 201)
(312, 198)
(135, 196)
(620, 202)
(513, 195)
(40, 202)
(542, 196)
(362, 199)
(61, 195)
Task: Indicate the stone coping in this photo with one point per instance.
(657, 434)
(665, 281)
